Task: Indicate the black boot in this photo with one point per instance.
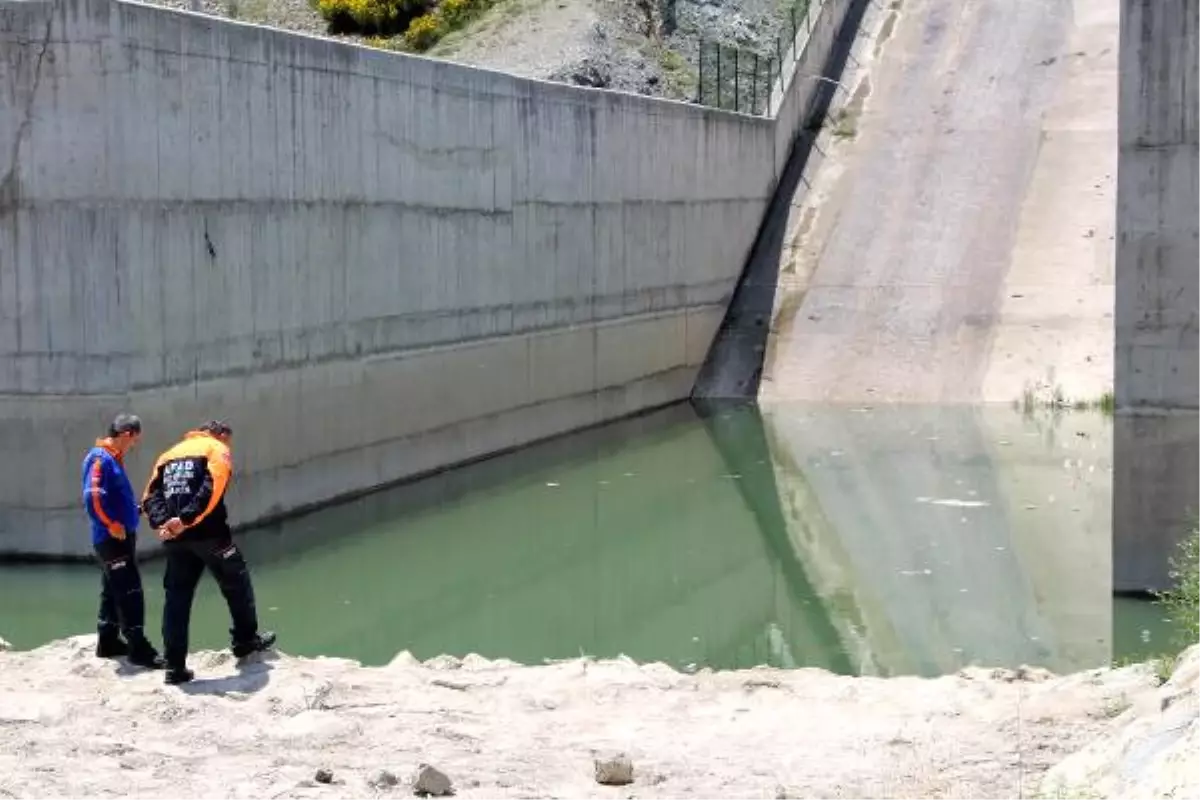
(110, 645)
(260, 642)
(143, 654)
(178, 675)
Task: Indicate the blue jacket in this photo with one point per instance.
(107, 494)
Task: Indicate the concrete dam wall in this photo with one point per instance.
(372, 265)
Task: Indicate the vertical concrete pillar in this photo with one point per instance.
(1157, 383)
(1158, 206)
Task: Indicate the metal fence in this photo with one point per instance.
(740, 79)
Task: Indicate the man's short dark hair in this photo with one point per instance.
(124, 423)
(217, 428)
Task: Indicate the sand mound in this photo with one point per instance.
(73, 725)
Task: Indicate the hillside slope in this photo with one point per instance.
(643, 46)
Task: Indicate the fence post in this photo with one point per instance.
(754, 88)
(792, 14)
(737, 90)
(770, 87)
(700, 72)
(719, 49)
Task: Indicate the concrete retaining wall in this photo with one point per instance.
(373, 265)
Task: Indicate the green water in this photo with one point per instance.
(888, 541)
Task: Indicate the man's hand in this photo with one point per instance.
(170, 529)
(117, 531)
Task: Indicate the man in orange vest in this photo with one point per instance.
(113, 511)
(185, 502)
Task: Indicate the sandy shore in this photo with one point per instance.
(73, 725)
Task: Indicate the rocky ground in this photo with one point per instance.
(71, 725)
(644, 46)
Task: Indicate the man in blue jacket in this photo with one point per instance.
(114, 511)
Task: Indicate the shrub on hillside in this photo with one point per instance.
(426, 30)
(371, 16)
(456, 13)
(423, 32)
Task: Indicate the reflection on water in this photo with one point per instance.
(888, 541)
(974, 533)
(1157, 486)
(1141, 630)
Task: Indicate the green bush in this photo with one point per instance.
(457, 13)
(423, 22)
(428, 29)
(424, 32)
(1183, 602)
(380, 17)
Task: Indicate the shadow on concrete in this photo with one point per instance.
(734, 364)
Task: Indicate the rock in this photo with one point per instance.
(382, 779)
(1033, 674)
(4, 645)
(593, 71)
(616, 771)
(443, 662)
(1023, 673)
(1147, 751)
(1168, 701)
(431, 781)
(323, 776)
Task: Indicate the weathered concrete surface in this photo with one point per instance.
(949, 536)
(955, 242)
(373, 265)
(1156, 489)
(1158, 200)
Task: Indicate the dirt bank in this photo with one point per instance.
(71, 725)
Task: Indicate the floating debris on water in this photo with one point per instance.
(950, 501)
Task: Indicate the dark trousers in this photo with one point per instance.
(187, 559)
(122, 604)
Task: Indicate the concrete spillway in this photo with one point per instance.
(956, 242)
